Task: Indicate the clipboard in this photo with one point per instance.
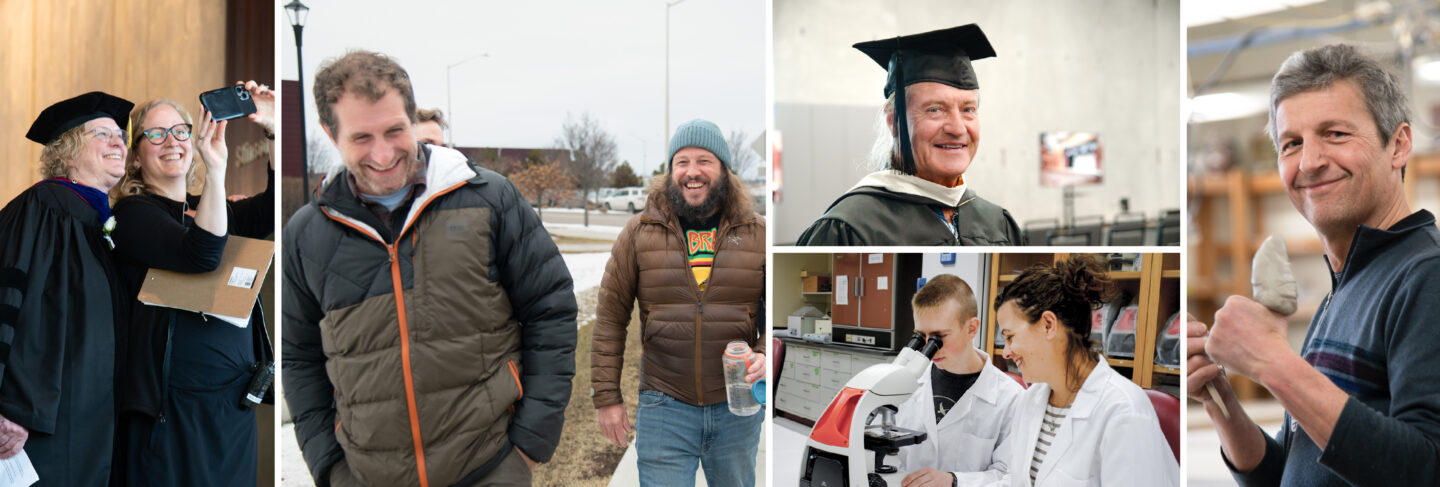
(227, 293)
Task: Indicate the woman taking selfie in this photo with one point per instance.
(1080, 422)
(184, 374)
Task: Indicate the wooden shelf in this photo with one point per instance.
(1208, 185)
(1124, 275)
(1202, 289)
(1157, 290)
(1266, 183)
(1161, 369)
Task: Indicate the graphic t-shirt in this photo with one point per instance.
(948, 388)
(700, 246)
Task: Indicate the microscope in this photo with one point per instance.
(845, 449)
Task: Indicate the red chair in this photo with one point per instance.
(777, 359)
(1167, 410)
(1018, 379)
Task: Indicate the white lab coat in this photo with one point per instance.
(1110, 437)
(970, 440)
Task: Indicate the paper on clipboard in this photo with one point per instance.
(17, 471)
(227, 293)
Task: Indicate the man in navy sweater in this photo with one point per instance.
(1361, 400)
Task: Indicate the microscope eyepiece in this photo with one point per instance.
(916, 340)
(931, 346)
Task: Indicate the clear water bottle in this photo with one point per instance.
(737, 390)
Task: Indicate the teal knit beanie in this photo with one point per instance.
(702, 134)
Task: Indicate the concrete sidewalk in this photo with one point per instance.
(575, 230)
(592, 232)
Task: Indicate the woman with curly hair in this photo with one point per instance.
(1080, 422)
(60, 302)
(181, 416)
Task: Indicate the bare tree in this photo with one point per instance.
(324, 157)
(743, 160)
(543, 181)
(592, 154)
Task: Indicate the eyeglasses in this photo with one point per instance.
(102, 133)
(156, 136)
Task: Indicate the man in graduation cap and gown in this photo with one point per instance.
(921, 197)
(58, 297)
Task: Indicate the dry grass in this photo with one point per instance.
(585, 457)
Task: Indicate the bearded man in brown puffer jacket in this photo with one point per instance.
(695, 260)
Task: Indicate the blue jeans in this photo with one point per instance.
(671, 437)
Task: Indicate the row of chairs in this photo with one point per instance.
(1128, 229)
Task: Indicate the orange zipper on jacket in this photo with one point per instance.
(514, 372)
(393, 251)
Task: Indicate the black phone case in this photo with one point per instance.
(227, 103)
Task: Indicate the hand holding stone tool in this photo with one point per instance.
(1273, 284)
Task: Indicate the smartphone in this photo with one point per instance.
(228, 102)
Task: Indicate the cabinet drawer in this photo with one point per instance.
(806, 410)
(782, 402)
(807, 356)
(808, 374)
(816, 394)
(789, 370)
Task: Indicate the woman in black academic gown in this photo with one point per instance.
(59, 298)
(184, 374)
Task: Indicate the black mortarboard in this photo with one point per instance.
(942, 56)
(65, 115)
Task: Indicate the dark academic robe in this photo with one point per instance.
(58, 309)
(870, 215)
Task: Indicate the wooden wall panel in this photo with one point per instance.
(139, 50)
(250, 54)
(18, 162)
(135, 49)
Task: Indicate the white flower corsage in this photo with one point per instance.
(109, 228)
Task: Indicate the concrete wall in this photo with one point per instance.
(1107, 67)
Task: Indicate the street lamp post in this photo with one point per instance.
(645, 151)
(667, 71)
(449, 105)
(298, 12)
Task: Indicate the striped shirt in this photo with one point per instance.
(1048, 427)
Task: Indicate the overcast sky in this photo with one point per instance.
(547, 59)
